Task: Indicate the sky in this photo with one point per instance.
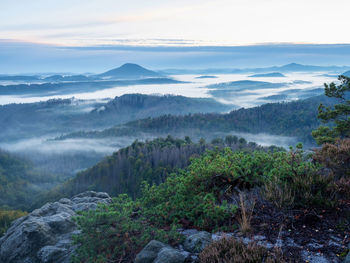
(174, 22)
(96, 35)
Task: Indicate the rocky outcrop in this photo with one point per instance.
(150, 252)
(45, 235)
(158, 252)
(195, 243)
(170, 255)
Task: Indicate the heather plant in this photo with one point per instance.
(295, 181)
(335, 157)
(230, 250)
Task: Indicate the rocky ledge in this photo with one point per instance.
(196, 241)
(45, 235)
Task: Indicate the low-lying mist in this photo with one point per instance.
(264, 139)
(65, 158)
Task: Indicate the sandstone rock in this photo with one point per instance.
(150, 252)
(45, 234)
(170, 255)
(197, 242)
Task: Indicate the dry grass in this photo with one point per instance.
(246, 213)
(230, 250)
(335, 157)
(342, 188)
(279, 194)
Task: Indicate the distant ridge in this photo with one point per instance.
(58, 78)
(347, 73)
(267, 75)
(291, 67)
(129, 71)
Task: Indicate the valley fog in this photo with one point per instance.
(198, 88)
(66, 124)
(87, 112)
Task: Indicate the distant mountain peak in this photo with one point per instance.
(131, 65)
(265, 75)
(129, 71)
(294, 64)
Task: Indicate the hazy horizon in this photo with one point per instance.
(31, 58)
(78, 36)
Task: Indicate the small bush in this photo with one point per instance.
(342, 188)
(229, 250)
(279, 193)
(335, 157)
(6, 218)
(200, 195)
(117, 232)
(297, 182)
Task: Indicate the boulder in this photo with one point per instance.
(158, 252)
(170, 255)
(45, 235)
(150, 252)
(195, 243)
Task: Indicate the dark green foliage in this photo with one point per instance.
(126, 169)
(297, 118)
(338, 115)
(120, 230)
(116, 233)
(230, 139)
(199, 196)
(229, 250)
(193, 197)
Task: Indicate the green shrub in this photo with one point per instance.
(198, 196)
(117, 232)
(229, 250)
(295, 181)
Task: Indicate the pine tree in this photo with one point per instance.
(338, 115)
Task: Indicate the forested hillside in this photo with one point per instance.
(297, 118)
(20, 182)
(68, 115)
(150, 161)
